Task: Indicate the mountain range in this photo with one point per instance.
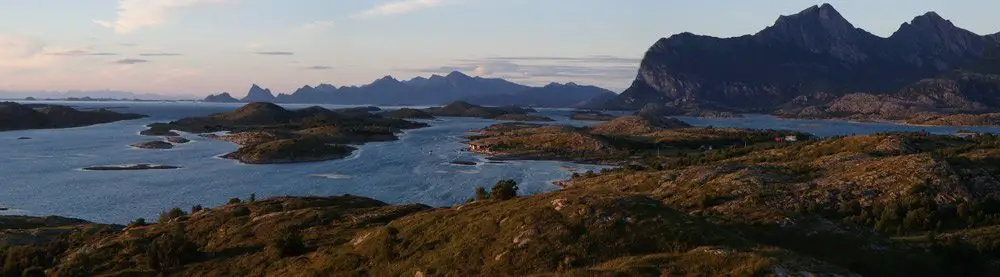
(815, 54)
(434, 90)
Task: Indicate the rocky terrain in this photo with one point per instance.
(816, 51)
(268, 133)
(14, 116)
(878, 205)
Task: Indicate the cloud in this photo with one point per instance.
(315, 26)
(275, 53)
(78, 52)
(20, 53)
(398, 7)
(159, 54)
(319, 67)
(131, 61)
(138, 14)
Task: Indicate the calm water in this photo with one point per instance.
(42, 176)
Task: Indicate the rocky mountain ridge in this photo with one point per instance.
(814, 51)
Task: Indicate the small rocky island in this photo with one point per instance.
(465, 109)
(15, 116)
(130, 167)
(268, 133)
(153, 144)
(591, 116)
(408, 113)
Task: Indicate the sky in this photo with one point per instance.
(197, 47)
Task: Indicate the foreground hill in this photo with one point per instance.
(14, 116)
(814, 51)
(268, 133)
(879, 205)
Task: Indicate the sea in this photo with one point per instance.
(43, 175)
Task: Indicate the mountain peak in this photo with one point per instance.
(456, 74)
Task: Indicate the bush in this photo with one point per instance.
(482, 194)
(504, 190)
(196, 208)
(241, 211)
(171, 214)
(172, 250)
(288, 245)
(235, 200)
(138, 222)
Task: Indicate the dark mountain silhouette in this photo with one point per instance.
(551, 95)
(258, 94)
(814, 51)
(437, 90)
(221, 98)
(15, 116)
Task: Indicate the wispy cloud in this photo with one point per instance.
(138, 14)
(398, 7)
(275, 53)
(319, 67)
(159, 54)
(315, 26)
(131, 61)
(19, 53)
(78, 52)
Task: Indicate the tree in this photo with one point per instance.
(196, 208)
(172, 249)
(253, 197)
(504, 190)
(138, 222)
(288, 245)
(171, 214)
(482, 194)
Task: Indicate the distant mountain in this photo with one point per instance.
(95, 94)
(814, 51)
(221, 98)
(258, 94)
(551, 95)
(436, 90)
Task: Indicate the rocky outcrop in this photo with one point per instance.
(634, 125)
(14, 116)
(177, 140)
(815, 51)
(465, 109)
(221, 98)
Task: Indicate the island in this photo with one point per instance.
(523, 117)
(268, 133)
(177, 140)
(408, 113)
(465, 109)
(15, 116)
(130, 167)
(153, 144)
(591, 116)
